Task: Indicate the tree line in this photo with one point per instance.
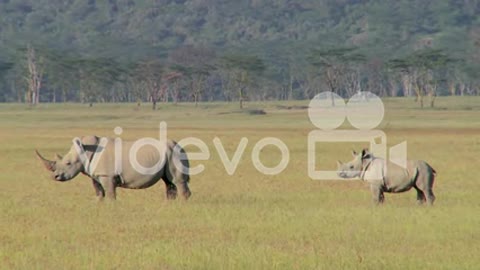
(194, 74)
(213, 50)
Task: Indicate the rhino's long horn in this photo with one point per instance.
(50, 165)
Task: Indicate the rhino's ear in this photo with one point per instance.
(366, 154)
(78, 146)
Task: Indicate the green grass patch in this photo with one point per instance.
(247, 220)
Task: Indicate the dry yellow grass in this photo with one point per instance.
(248, 220)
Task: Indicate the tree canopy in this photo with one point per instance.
(102, 40)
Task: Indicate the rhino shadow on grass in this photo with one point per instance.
(172, 166)
(384, 176)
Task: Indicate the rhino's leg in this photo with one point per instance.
(184, 189)
(181, 180)
(430, 196)
(425, 183)
(420, 196)
(381, 197)
(171, 189)
(109, 185)
(431, 179)
(377, 194)
(99, 191)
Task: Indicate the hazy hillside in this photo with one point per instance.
(127, 30)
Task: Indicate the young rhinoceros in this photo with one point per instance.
(385, 176)
(110, 164)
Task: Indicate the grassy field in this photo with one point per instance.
(247, 220)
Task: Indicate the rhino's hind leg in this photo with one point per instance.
(429, 192)
(182, 183)
(171, 191)
(430, 196)
(184, 189)
(424, 182)
(420, 196)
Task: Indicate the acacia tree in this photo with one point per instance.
(195, 63)
(96, 76)
(148, 75)
(340, 68)
(424, 70)
(60, 74)
(173, 80)
(378, 80)
(243, 70)
(137, 88)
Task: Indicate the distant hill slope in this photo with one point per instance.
(379, 26)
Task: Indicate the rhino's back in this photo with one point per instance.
(422, 166)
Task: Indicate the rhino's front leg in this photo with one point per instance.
(377, 194)
(99, 191)
(109, 185)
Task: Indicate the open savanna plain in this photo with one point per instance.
(247, 220)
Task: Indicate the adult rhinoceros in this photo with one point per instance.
(127, 164)
(388, 177)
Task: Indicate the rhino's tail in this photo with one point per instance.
(433, 175)
(434, 172)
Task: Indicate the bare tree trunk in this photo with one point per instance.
(462, 88)
(432, 100)
(240, 93)
(290, 88)
(433, 95)
(195, 96)
(406, 82)
(175, 97)
(175, 92)
(393, 87)
(419, 94)
(452, 88)
(164, 93)
(35, 77)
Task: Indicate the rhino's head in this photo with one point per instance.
(67, 167)
(354, 168)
